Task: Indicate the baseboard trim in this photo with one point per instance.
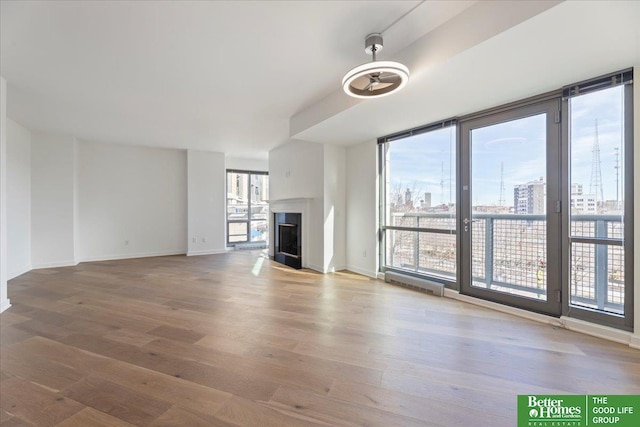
(5, 305)
(569, 323)
(361, 271)
(315, 268)
(537, 317)
(55, 265)
(337, 268)
(209, 252)
(131, 256)
(20, 272)
(595, 330)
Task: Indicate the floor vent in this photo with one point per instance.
(249, 246)
(416, 283)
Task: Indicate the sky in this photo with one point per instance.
(424, 162)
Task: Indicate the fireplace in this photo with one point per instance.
(288, 239)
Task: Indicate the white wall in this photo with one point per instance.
(132, 201)
(334, 208)
(206, 198)
(18, 199)
(53, 199)
(635, 340)
(296, 171)
(4, 300)
(316, 173)
(362, 209)
(237, 163)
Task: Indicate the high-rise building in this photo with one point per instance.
(582, 203)
(426, 203)
(530, 198)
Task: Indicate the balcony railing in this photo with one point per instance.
(509, 253)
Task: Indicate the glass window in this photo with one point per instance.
(543, 192)
(597, 157)
(419, 218)
(247, 207)
(508, 206)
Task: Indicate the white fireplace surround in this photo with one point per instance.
(297, 205)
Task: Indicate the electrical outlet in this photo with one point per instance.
(204, 240)
(126, 243)
(194, 240)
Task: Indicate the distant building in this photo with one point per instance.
(530, 198)
(612, 207)
(582, 203)
(236, 188)
(576, 189)
(407, 196)
(426, 202)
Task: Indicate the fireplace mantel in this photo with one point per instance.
(301, 205)
(297, 204)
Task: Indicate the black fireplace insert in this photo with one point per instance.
(288, 239)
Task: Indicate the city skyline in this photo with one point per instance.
(426, 163)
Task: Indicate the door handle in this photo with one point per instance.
(466, 223)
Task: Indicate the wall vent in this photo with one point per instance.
(249, 246)
(416, 283)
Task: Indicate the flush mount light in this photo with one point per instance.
(376, 78)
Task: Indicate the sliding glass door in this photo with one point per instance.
(528, 204)
(510, 229)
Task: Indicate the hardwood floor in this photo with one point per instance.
(238, 340)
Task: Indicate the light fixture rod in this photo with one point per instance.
(402, 17)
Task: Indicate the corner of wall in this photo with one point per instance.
(18, 199)
(206, 196)
(362, 208)
(334, 182)
(76, 204)
(53, 199)
(636, 205)
(4, 300)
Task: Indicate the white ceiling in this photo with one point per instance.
(230, 76)
(568, 43)
(223, 76)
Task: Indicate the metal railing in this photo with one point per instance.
(597, 262)
(509, 253)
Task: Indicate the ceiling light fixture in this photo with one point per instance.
(376, 78)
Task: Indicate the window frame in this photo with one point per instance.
(624, 322)
(383, 227)
(548, 105)
(248, 220)
(625, 78)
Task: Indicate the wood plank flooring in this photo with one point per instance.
(238, 340)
